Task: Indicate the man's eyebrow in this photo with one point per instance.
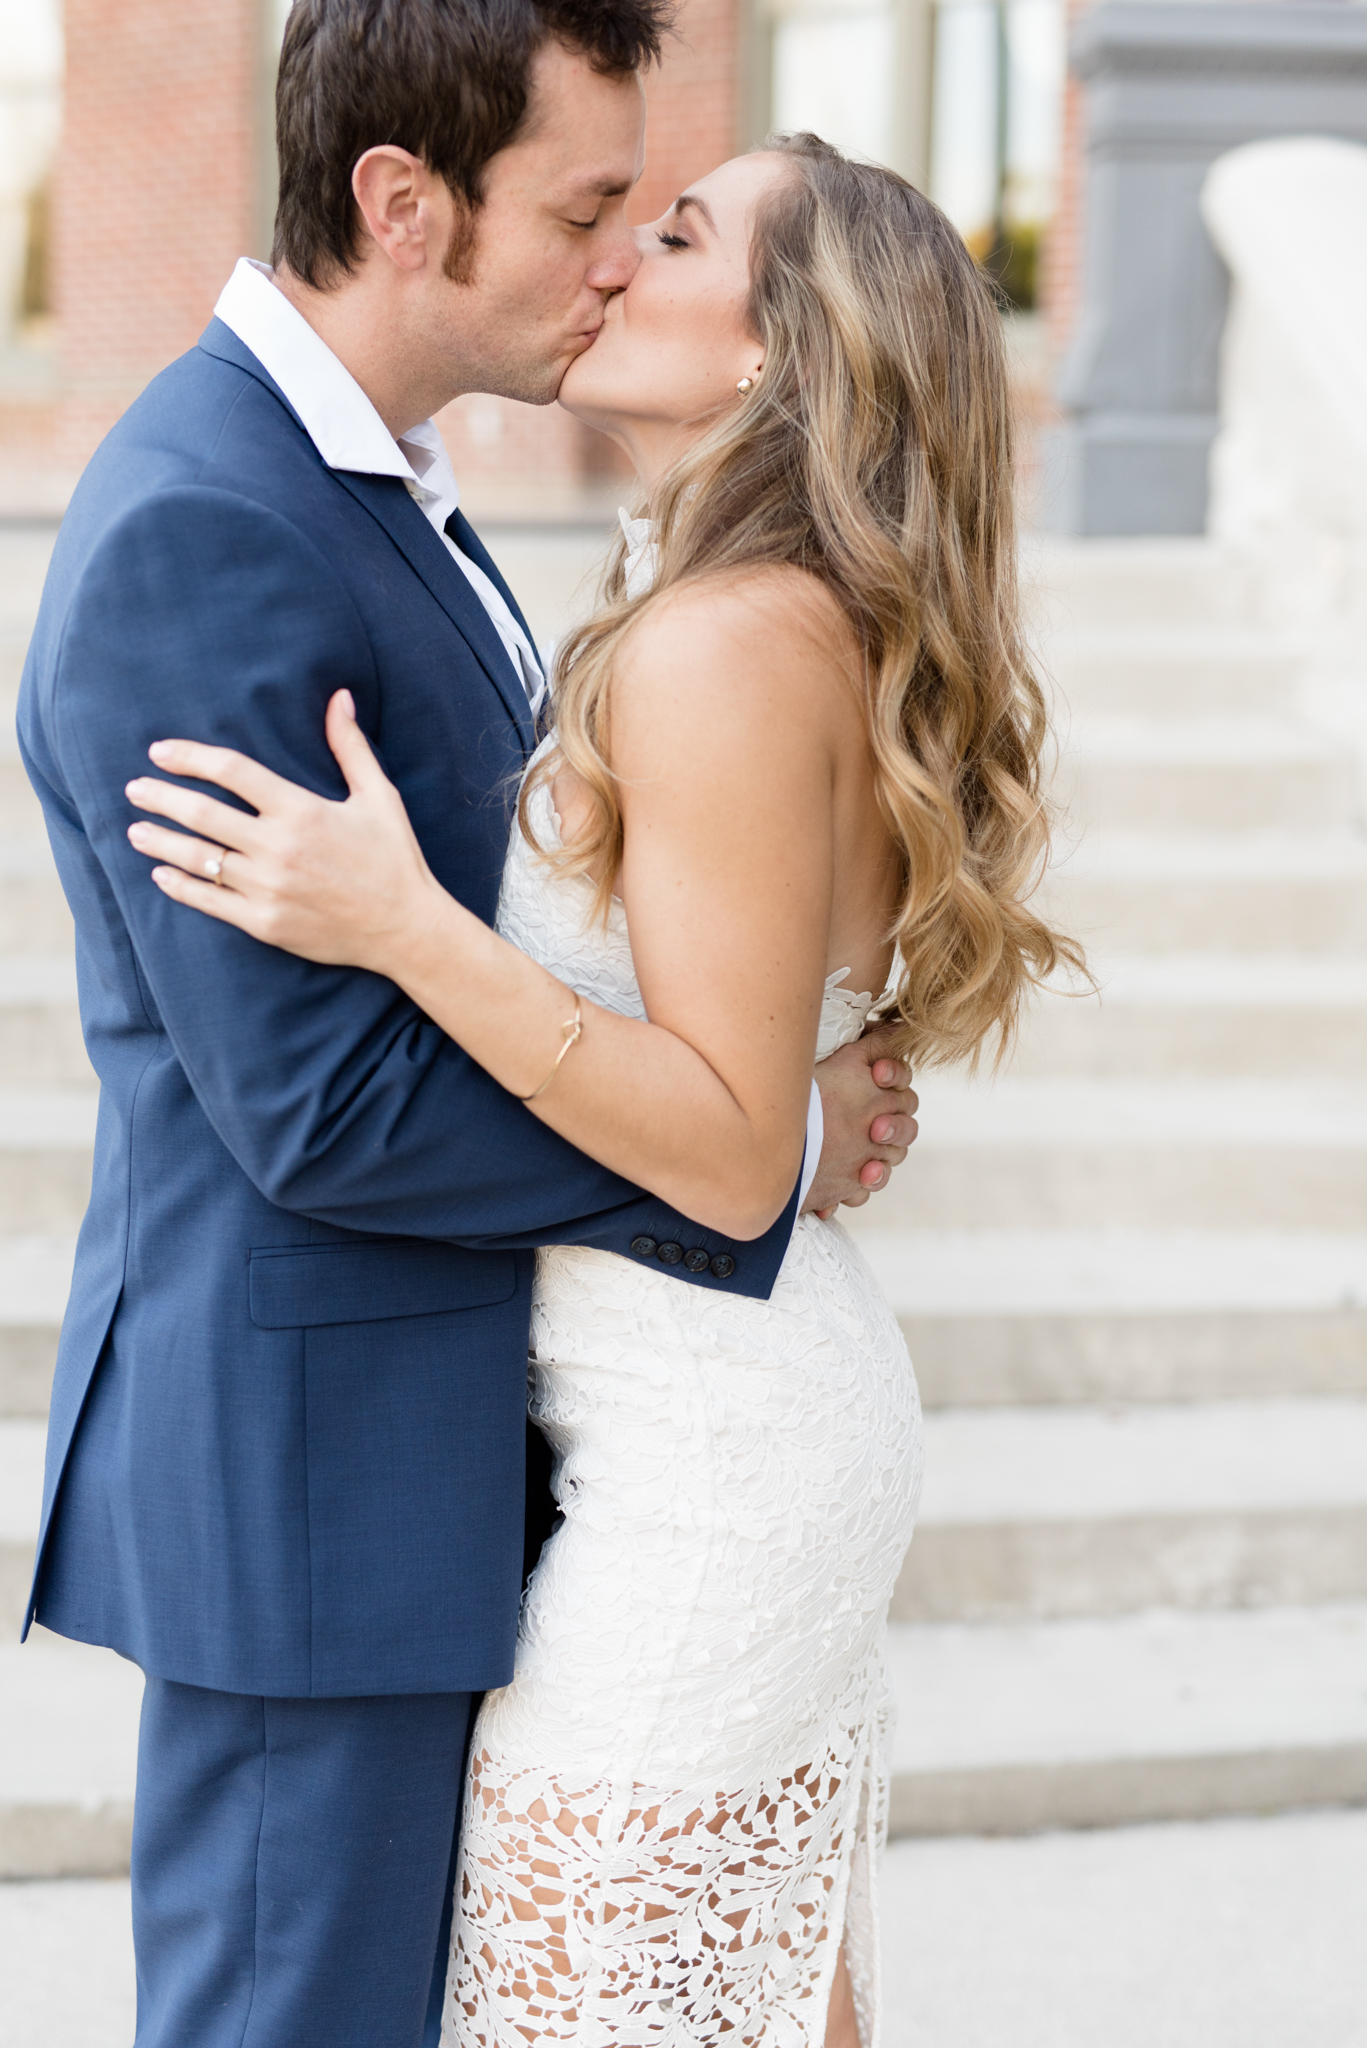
(605, 188)
(699, 206)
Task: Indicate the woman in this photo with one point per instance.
(797, 750)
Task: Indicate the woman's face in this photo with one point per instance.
(673, 346)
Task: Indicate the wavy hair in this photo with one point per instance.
(874, 453)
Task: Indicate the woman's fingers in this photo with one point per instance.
(224, 904)
(350, 746)
(194, 856)
(197, 812)
(258, 786)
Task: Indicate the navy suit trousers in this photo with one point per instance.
(292, 1867)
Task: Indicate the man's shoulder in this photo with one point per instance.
(207, 445)
(206, 414)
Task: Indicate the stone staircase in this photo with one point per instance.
(1133, 1271)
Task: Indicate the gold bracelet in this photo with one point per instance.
(573, 1028)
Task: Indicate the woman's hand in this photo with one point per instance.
(341, 883)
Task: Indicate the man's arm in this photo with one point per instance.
(337, 1097)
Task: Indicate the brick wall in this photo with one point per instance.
(156, 197)
(154, 193)
(1061, 277)
(694, 110)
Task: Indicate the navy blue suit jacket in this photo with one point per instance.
(286, 1450)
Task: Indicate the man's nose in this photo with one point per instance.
(613, 269)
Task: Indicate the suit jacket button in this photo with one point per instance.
(669, 1254)
(697, 1261)
(644, 1247)
(723, 1266)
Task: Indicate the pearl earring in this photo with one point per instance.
(745, 385)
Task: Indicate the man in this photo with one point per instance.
(286, 1455)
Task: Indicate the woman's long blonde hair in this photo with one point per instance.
(875, 453)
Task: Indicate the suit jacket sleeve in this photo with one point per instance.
(203, 615)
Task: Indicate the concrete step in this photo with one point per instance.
(1003, 1729)
(1017, 1316)
(1128, 584)
(1000, 1729)
(33, 911)
(1296, 1016)
(35, 1276)
(992, 1360)
(994, 1319)
(1242, 1933)
(68, 1758)
(46, 1138)
(21, 1500)
(1158, 671)
(69, 1980)
(1048, 1512)
(1235, 773)
(1257, 1921)
(1089, 1272)
(20, 813)
(25, 552)
(1253, 892)
(1134, 1154)
(40, 1025)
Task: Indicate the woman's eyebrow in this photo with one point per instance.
(699, 206)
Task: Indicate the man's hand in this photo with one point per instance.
(869, 1112)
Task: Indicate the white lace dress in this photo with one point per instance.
(674, 1808)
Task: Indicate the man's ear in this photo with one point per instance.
(400, 201)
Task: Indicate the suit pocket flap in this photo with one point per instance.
(302, 1285)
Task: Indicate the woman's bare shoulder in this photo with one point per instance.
(754, 627)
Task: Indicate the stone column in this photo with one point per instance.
(1168, 89)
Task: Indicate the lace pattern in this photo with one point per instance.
(674, 1807)
(619, 1913)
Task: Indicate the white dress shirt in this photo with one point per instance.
(349, 434)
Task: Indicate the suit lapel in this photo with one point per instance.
(385, 498)
(469, 543)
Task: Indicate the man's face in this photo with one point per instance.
(551, 240)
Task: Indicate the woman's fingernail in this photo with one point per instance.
(159, 750)
(138, 834)
(348, 703)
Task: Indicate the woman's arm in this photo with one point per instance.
(726, 719)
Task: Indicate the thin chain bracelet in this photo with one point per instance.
(573, 1028)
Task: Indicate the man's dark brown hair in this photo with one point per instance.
(444, 79)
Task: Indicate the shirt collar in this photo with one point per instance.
(338, 417)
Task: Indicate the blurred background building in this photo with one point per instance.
(112, 254)
(1130, 1639)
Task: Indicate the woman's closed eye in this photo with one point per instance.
(672, 241)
